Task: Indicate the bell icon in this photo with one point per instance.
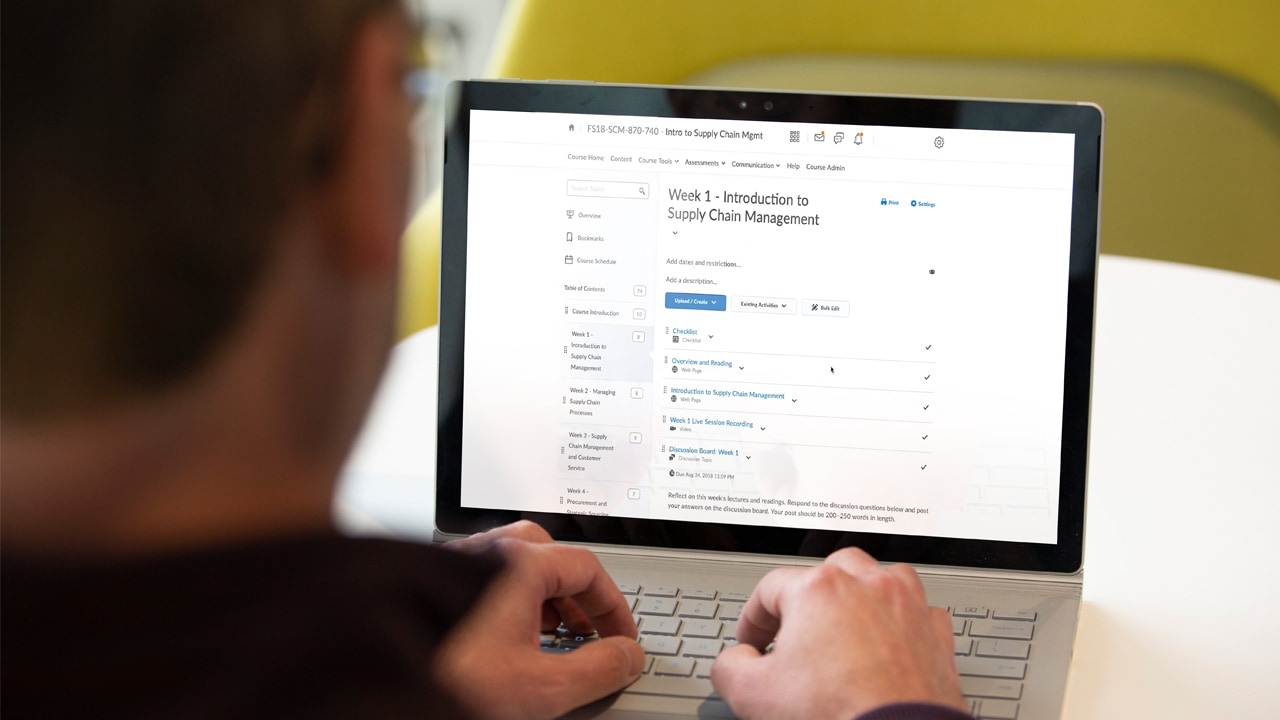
(857, 139)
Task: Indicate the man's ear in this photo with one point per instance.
(366, 197)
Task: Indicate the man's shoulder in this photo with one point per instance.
(320, 622)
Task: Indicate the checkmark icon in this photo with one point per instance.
(926, 377)
(924, 437)
(926, 407)
(926, 347)
(924, 466)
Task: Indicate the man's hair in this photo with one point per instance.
(150, 151)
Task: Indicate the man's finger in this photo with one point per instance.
(909, 578)
(762, 614)
(521, 530)
(942, 628)
(571, 680)
(572, 616)
(734, 674)
(550, 617)
(852, 560)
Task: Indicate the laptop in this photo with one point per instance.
(713, 332)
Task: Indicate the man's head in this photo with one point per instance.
(202, 201)
(151, 152)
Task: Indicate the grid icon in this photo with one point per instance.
(795, 136)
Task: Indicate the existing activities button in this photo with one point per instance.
(825, 308)
(695, 301)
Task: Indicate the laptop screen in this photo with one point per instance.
(817, 322)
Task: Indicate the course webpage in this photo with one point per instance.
(803, 325)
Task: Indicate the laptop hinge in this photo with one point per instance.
(939, 571)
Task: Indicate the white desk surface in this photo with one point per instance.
(1181, 613)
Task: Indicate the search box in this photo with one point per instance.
(609, 189)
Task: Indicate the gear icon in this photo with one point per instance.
(938, 142)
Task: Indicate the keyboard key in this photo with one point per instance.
(656, 606)
(648, 663)
(957, 625)
(699, 594)
(730, 610)
(704, 609)
(1024, 615)
(1016, 649)
(666, 591)
(660, 644)
(990, 688)
(998, 710)
(963, 645)
(654, 684)
(991, 667)
(702, 628)
(628, 589)
(631, 603)
(660, 626)
(702, 669)
(731, 631)
(706, 648)
(675, 667)
(974, 611)
(1011, 630)
(735, 596)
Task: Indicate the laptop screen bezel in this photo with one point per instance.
(1082, 120)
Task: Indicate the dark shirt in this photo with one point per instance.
(315, 627)
(914, 711)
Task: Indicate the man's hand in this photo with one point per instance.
(492, 660)
(849, 636)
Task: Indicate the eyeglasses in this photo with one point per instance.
(433, 61)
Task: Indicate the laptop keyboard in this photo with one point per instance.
(683, 629)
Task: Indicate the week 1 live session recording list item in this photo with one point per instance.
(739, 327)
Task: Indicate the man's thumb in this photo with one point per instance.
(593, 671)
(732, 671)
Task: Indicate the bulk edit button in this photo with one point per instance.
(825, 308)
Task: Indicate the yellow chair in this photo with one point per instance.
(1192, 167)
(420, 270)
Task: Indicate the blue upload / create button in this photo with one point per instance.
(695, 301)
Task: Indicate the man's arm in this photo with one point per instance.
(851, 639)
